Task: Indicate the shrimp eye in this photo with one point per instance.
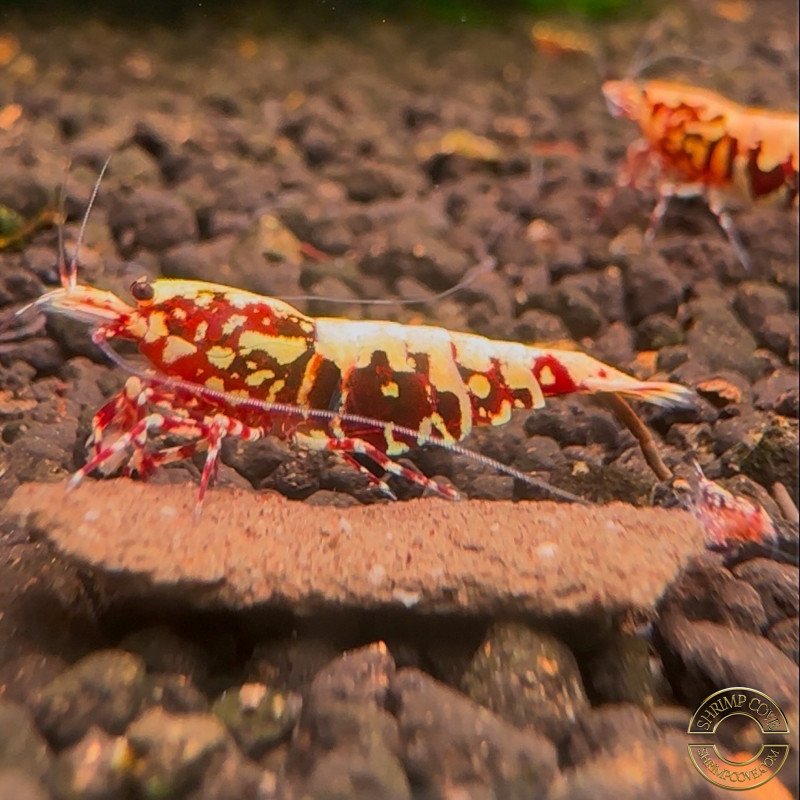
(142, 290)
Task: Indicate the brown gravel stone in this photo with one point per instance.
(21, 745)
(173, 751)
(16, 785)
(429, 555)
(93, 768)
(455, 748)
(708, 591)
(784, 635)
(645, 769)
(620, 671)
(609, 729)
(528, 678)
(103, 689)
(361, 675)
(346, 744)
(700, 657)
(777, 584)
(257, 716)
(231, 777)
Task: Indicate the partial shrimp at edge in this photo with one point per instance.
(701, 144)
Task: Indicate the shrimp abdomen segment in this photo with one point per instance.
(404, 374)
(441, 383)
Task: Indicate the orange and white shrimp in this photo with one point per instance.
(228, 362)
(703, 144)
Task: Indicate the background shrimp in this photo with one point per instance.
(702, 144)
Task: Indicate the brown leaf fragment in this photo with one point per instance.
(720, 392)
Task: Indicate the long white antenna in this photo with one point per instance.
(481, 268)
(69, 278)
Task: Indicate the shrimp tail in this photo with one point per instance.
(659, 393)
(563, 372)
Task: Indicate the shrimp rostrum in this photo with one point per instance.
(231, 363)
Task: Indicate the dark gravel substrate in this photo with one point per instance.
(328, 152)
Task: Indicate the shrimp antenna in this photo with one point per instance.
(643, 58)
(486, 265)
(667, 57)
(287, 409)
(639, 60)
(62, 216)
(482, 268)
(69, 275)
(645, 48)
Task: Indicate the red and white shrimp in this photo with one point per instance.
(702, 144)
(728, 520)
(228, 362)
